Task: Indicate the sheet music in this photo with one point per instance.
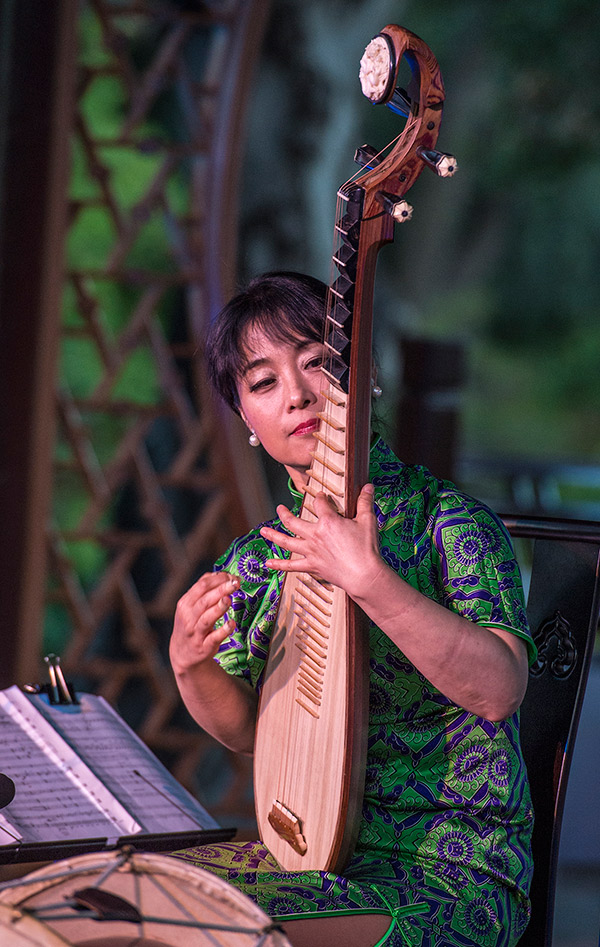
(56, 795)
(126, 766)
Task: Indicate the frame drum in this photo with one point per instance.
(129, 899)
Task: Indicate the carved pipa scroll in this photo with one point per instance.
(311, 734)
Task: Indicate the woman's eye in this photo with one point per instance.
(261, 383)
(315, 362)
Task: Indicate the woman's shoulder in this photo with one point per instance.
(415, 485)
(398, 485)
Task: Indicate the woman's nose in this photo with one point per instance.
(299, 399)
(299, 393)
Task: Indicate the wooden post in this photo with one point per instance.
(427, 426)
(37, 60)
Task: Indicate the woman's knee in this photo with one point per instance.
(351, 930)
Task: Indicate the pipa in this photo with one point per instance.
(310, 749)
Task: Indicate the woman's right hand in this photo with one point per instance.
(195, 640)
(223, 704)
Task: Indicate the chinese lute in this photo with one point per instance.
(310, 750)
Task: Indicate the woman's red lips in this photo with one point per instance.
(307, 427)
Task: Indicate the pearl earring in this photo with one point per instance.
(376, 391)
(253, 440)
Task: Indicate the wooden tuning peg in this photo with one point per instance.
(443, 164)
(399, 209)
(366, 156)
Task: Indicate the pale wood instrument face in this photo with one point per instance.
(310, 749)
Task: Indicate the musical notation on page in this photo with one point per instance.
(81, 772)
(56, 795)
(125, 765)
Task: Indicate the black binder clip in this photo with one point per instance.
(58, 691)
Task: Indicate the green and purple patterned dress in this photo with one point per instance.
(444, 843)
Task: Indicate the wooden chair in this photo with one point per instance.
(563, 608)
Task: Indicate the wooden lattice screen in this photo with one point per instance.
(148, 474)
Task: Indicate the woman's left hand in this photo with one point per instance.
(334, 548)
(451, 651)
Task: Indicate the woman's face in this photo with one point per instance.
(280, 395)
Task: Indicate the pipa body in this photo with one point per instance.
(313, 713)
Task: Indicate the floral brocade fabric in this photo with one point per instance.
(444, 842)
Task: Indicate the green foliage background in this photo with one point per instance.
(528, 135)
(503, 256)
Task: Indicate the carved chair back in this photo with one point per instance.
(563, 607)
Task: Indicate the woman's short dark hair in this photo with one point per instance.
(285, 306)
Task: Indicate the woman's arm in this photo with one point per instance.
(481, 669)
(224, 705)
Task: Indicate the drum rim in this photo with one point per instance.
(26, 928)
(15, 894)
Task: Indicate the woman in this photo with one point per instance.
(443, 854)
